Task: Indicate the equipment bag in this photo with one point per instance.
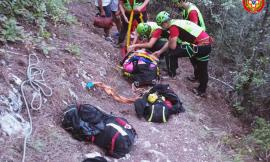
(117, 137)
(88, 123)
(103, 22)
(140, 68)
(158, 104)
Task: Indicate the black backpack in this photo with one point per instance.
(145, 69)
(117, 137)
(95, 159)
(88, 123)
(158, 111)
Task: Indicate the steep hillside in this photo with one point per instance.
(196, 135)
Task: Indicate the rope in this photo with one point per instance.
(33, 73)
(194, 49)
(224, 83)
(110, 91)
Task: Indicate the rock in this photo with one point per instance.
(73, 94)
(157, 153)
(92, 155)
(102, 72)
(153, 129)
(15, 79)
(86, 76)
(3, 63)
(12, 124)
(126, 157)
(13, 101)
(146, 144)
(83, 84)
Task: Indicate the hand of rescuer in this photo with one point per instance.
(138, 9)
(131, 48)
(126, 19)
(156, 55)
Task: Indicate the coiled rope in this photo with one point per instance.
(35, 78)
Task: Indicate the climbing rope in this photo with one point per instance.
(224, 83)
(35, 78)
(110, 91)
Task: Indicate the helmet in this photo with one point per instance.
(162, 17)
(143, 29)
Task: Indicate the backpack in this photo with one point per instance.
(88, 123)
(117, 137)
(140, 69)
(95, 159)
(164, 104)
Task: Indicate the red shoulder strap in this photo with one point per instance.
(113, 142)
(121, 122)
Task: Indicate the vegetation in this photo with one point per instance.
(73, 49)
(36, 12)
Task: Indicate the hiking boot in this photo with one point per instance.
(168, 78)
(172, 74)
(192, 79)
(199, 93)
(109, 39)
(118, 45)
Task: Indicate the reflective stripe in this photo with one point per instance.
(188, 26)
(164, 118)
(189, 48)
(193, 7)
(151, 116)
(154, 26)
(118, 128)
(205, 58)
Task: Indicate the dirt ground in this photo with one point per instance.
(194, 136)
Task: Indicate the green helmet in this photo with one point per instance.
(143, 29)
(162, 17)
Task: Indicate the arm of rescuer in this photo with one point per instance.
(174, 33)
(122, 10)
(136, 36)
(102, 12)
(193, 17)
(140, 8)
(172, 43)
(155, 36)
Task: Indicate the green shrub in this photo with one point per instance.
(36, 12)
(260, 139)
(74, 49)
(11, 31)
